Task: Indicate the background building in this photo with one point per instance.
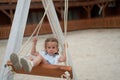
(83, 14)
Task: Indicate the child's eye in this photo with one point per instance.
(53, 47)
(48, 47)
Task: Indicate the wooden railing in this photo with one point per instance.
(110, 22)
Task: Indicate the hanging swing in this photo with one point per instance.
(47, 70)
(60, 71)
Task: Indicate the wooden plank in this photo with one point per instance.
(46, 70)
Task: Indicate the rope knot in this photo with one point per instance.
(66, 75)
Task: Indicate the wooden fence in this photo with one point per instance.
(110, 22)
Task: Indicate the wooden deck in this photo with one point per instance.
(110, 22)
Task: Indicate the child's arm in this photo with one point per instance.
(33, 51)
(63, 57)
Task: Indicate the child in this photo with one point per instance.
(49, 56)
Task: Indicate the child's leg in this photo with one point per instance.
(28, 63)
(37, 60)
(15, 61)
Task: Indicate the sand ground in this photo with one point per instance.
(95, 54)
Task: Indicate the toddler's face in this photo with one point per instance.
(51, 48)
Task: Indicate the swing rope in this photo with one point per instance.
(68, 61)
(37, 29)
(65, 28)
(66, 74)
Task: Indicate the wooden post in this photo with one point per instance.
(88, 9)
(103, 5)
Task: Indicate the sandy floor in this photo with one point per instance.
(95, 54)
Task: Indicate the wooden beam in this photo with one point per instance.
(10, 15)
(5, 12)
(57, 3)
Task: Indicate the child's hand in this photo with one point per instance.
(35, 53)
(35, 40)
(65, 45)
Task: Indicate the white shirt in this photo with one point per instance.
(52, 59)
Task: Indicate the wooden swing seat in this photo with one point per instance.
(46, 70)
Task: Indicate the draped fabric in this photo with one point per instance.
(16, 35)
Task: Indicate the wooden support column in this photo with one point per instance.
(60, 10)
(11, 12)
(11, 15)
(103, 6)
(88, 9)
